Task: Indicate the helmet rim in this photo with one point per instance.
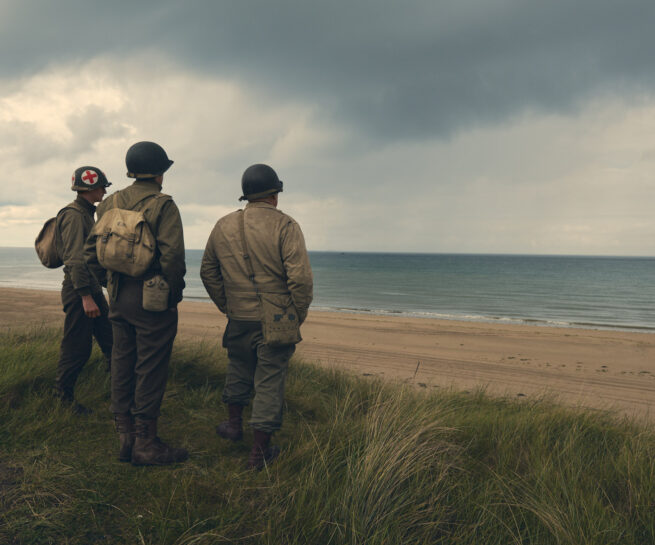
(259, 181)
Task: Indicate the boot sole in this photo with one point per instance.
(272, 454)
(233, 439)
(138, 464)
(229, 437)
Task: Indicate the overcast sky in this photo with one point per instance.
(491, 126)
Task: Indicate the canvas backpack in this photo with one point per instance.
(124, 241)
(46, 242)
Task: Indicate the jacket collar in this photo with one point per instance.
(147, 184)
(85, 204)
(260, 204)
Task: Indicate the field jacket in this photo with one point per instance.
(279, 260)
(163, 218)
(74, 222)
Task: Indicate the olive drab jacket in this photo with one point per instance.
(279, 261)
(163, 218)
(74, 223)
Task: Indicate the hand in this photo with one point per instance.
(302, 317)
(90, 307)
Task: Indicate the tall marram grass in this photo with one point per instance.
(363, 461)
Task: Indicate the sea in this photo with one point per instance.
(615, 293)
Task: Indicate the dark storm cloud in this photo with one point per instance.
(392, 69)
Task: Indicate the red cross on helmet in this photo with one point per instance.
(88, 178)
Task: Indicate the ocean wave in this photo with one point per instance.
(491, 319)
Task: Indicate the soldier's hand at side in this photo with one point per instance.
(90, 307)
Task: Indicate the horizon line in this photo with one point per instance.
(396, 252)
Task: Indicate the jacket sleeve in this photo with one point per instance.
(212, 277)
(170, 242)
(91, 260)
(295, 259)
(71, 228)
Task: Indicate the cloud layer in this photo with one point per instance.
(394, 70)
(499, 126)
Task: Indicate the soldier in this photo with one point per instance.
(256, 270)
(81, 295)
(143, 338)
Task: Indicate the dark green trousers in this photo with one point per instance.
(143, 342)
(79, 331)
(253, 365)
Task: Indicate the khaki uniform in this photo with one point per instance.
(282, 274)
(143, 340)
(74, 223)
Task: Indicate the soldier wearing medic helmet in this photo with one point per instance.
(143, 338)
(256, 270)
(84, 304)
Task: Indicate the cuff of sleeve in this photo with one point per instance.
(83, 291)
(302, 314)
(174, 298)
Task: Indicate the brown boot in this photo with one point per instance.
(67, 400)
(125, 428)
(233, 427)
(150, 450)
(262, 454)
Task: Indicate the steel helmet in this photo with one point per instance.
(88, 178)
(259, 181)
(146, 160)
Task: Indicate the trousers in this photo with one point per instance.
(253, 365)
(143, 342)
(77, 342)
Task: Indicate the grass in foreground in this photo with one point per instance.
(363, 461)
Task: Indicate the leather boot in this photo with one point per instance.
(125, 428)
(150, 450)
(233, 427)
(67, 400)
(262, 453)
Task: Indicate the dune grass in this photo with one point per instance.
(363, 461)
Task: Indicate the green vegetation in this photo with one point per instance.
(363, 461)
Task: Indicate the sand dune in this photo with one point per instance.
(596, 369)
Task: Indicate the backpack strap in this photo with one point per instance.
(137, 206)
(72, 206)
(115, 200)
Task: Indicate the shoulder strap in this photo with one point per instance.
(141, 202)
(246, 256)
(72, 206)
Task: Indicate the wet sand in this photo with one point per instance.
(596, 369)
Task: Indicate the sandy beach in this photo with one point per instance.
(596, 369)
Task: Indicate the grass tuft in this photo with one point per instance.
(363, 462)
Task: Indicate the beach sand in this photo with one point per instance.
(579, 367)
